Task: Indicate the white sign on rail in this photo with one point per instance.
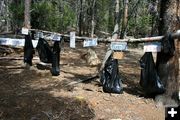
(56, 37)
(16, 42)
(90, 42)
(24, 31)
(152, 47)
(72, 39)
(121, 46)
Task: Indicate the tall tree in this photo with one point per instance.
(80, 18)
(92, 18)
(27, 20)
(168, 66)
(125, 18)
(115, 33)
(117, 19)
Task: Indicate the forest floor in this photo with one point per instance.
(34, 94)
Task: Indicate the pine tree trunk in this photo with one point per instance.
(115, 33)
(80, 18)
(125, 18)
(93, 20)
(116, 27)
(27, 20)
(168, 67)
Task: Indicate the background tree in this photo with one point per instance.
(58, 15)
(27, 15)
(125, 18)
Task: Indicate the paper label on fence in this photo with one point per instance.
(56, 37)
(39, 35)
(152, 47)
(90, 42)
(16, 42)
(121, 46)
(118, 55)
(72, 40)
(24, 31)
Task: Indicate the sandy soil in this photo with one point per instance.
(33, 94)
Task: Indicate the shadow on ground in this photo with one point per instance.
(19, 101)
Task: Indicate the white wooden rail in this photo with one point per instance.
(20, 42)
(146, 39)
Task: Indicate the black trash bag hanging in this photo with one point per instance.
(48, 55)
(150, 81)
(28, 50)
(110, 78)
(55, 59)
(44, 51)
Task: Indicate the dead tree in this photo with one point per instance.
(168, 65)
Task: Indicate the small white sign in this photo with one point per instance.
(16, 42)
(152, 47)
(24, 31)
(41, 35)
(90, 42)
(121, 46)
(56, 37)
(72, 39)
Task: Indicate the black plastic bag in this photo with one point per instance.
(44, 51)
(55, 59)
(110, 78)
(150, 81)
(28, 50)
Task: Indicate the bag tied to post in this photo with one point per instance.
(55, 71)
(110, 77)
(44, 51)
(28, 50)
(150, 81)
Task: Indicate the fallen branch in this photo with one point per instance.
(82, 81)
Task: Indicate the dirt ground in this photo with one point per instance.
(34, 94)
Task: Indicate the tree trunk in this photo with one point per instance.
(115, 34)
(168, 66)
(116, 14)
(27, 20)
(125, 18)
(5, 25)
(80, 18)
(93, 20)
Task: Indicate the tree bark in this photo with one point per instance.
(168, 67)
(125, 18)
(27, 19)
(115, 34)
(80, 18)
(116, 14)
(92, 19)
